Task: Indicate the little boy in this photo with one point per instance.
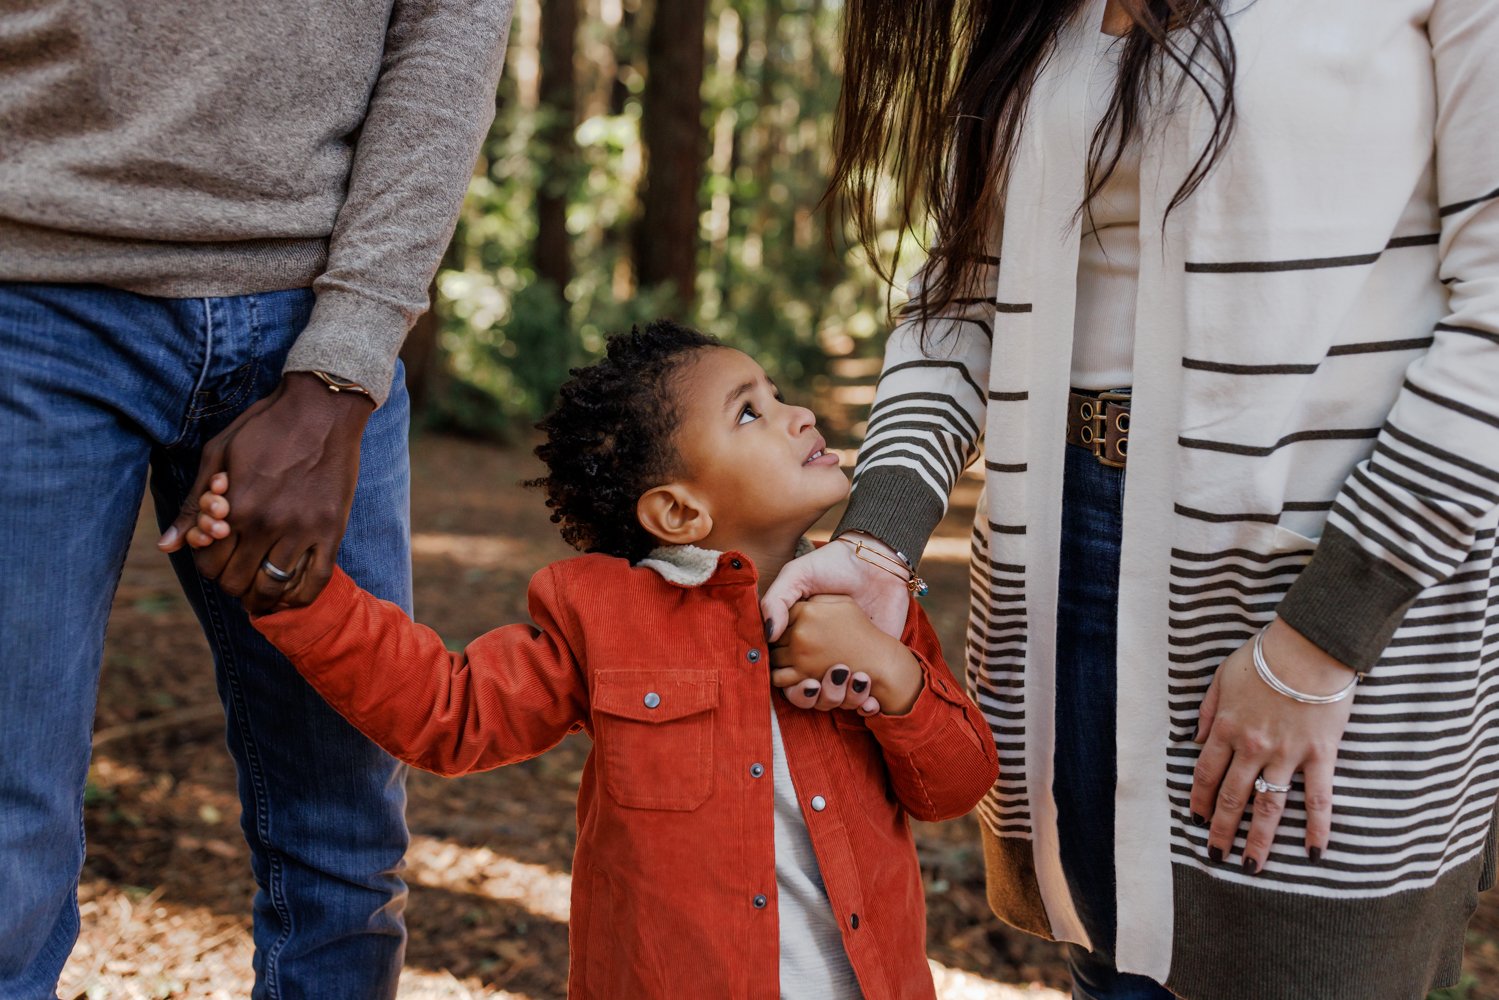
(730, 845)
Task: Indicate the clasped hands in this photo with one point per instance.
(294, 460)
(833, 622)
(831, 656)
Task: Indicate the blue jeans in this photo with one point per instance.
(1086, 767)
(97, 387)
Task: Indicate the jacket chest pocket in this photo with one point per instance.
(654, 735)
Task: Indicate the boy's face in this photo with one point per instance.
(757, 464)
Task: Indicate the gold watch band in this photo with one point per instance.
(336, 384)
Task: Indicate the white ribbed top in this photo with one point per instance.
(814, 964)
(1108, 260)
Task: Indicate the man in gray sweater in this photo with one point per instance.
(217, 223)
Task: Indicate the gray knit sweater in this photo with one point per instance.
(182, 148)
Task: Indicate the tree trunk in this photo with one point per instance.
(671, 126)
(626, 46)
(557, 88)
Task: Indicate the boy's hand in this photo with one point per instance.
(213, 514)
(826, 638)
(837, 689)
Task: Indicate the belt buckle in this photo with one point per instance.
(1094, 432)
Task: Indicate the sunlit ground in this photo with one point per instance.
(166, 891)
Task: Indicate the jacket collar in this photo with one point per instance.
(691, 566)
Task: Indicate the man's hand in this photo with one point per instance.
(829, 635)
(292, 460)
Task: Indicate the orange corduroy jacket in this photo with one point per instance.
(674, 883)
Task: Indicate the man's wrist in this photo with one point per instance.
(308, 387)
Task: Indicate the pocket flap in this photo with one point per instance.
(654, 695)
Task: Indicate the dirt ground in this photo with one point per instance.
(166, 888)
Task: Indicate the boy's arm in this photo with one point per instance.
(513, 693)
(941, 753)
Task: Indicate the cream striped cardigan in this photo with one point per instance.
(1315, 431)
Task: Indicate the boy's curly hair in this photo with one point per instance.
(609, 438)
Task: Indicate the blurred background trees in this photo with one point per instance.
(649, 158)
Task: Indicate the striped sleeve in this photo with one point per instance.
(925, 424)
(1408, 515)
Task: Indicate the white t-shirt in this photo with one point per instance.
(1108, 260)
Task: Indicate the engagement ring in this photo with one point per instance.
(1262, 786)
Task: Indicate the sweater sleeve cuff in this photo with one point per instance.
(351, 336)
(296, 629)
(896, 506)
(905, 733)
(1347, 601)
(933, 706)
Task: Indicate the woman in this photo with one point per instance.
(1273, 228)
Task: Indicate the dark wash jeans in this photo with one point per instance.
(98, 387)
(1086, 766)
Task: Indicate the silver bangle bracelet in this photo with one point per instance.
(1281, 687)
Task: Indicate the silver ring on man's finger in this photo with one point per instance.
(275, 572)
(1262, 786)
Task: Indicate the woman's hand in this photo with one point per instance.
(1248, 730)
(835, 569)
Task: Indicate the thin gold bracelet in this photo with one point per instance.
(915, 584)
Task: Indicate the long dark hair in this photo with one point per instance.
(934, 93)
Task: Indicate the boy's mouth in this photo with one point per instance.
(820, 452)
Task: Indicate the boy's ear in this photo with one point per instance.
(674, 515)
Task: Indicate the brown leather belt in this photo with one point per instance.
(1101, 424)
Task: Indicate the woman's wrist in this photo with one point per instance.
(1301, 663)
(873, 552)
(870, 541)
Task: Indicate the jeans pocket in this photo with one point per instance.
(654, 733)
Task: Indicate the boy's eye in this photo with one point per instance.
(747, 414)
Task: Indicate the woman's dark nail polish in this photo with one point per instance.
(767, 630)
(839, 675)
(1251, 866)
(810, 690)
(1315, 853)
(1215, 854)
(859, 686)
(1199, 820)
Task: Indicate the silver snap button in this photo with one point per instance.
(753, 655)
(760, 902)
(757, 770)
(652, 699)
(819, 803)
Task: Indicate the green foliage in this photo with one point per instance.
(506, 353)
(1462, 991)
(768, 280)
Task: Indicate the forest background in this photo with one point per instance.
(648, 158)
